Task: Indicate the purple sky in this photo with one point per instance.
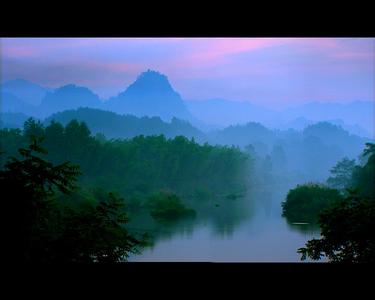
(273, 72)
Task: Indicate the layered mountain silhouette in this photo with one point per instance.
(114, 125)
(69, 97)
(21, 96)
(301, 123)
(150, 95)
(9, 103)
(356, 117)
(222, 112)
(242, 135)
(360, 113)
(27, 91)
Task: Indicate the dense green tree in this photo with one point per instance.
(47, 230)
(305, 202)
(33, 128)
(114, 125)
(369, 149)
(10, 141)
(95, 233)
(341, 174)
(168, 207)
(347, 230)
(364, 176)
(347, 227)
(28, 185)
(54, 141)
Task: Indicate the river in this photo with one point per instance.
(261, 234)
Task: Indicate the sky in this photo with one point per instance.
(269, 71)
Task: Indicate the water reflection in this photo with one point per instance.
(226, 218)
(143, 222)
(250, 229)
(305, 228)
(222, 219)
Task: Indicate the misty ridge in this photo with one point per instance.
(150, 106)
(152, 95)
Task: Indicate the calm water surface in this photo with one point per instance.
(262, 236)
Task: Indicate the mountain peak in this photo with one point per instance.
(69, 96)
(151, 82)
(152, 75)
(150, 94)
(74, 88)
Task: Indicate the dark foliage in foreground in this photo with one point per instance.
(348, 226)
(347, 230)
(47, 230)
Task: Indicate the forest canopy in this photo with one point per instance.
(154, 175)
(305, 202)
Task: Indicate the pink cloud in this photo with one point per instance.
(206, 51)
(227, 46)
(202, 57)
(216, 49)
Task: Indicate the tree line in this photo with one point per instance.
(74, 193)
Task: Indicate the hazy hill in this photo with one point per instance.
(357, 117)
(27, 91)
(333, 135)
(356, 112)
(150, 95)
(225, 112)
(114, 125)
(69, 97)
(353, 129)
(11, 104)
(301, 123)
(242, 135)
(309, 153)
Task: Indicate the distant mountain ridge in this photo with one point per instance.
(28, 92)
(150, 94)
(301, 123)
(9, 103)
(114, 125)
(225, 112)
(360, 113)
(357, 117)
(69, 97)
